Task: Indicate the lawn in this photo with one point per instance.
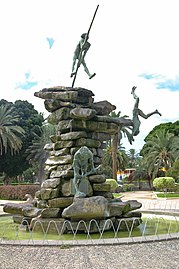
(168, 195)
(117, 195)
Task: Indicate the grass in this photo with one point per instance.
(12, 231)
(168, 195)
(117, 195)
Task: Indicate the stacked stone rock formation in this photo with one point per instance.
(80, 122)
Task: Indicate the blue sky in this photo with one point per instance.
(50, 41)
(27, 83)
(132, 43)
(162, 82)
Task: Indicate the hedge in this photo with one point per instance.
(17, 192)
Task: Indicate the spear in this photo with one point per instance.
(86, 38)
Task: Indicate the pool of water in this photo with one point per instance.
(151, 225)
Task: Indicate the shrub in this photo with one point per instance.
(164, 183)
(128, 187)
(17, 192)
(113, 183)
(176, 188)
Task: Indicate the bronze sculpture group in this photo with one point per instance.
(79, 57)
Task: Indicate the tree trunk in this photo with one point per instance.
(139, 185)
(114, 155)
(150, 185)
(7, 180)
(41, 174)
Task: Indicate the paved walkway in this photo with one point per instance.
(155, 255)
(150, 202)
(139, 195)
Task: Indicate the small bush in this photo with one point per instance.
(128, 187)
(17, 192)
(113, 183)
(164, 183)
(176, 188)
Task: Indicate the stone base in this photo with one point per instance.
(61, 226)
(48, 225)
(93, 226)
(126, 224)
(21, 220)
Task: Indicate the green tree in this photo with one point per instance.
(133, 158)
(36, 153)
(10, 132)
(160, 151)
(120, 160)
(140, 174)
(31, 121)
(116, 140)
(174, 171)
(169, 126)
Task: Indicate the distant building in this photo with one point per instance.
(121, 174)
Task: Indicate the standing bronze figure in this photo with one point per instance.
(80, 53)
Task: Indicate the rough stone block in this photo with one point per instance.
(97, 178)
(59, 160)
(95, 207)
(42, 204)
(51, 183)
(58, 115)
(134, 204)
(82, 113)
(47, 225)
(132, 214)
(15, 208)
(31, 212)
(118, 208)
(92, 226)
(73, 135)
(51, 212)
(62, 174)
(103, 107)
(63, 144)
(126, 224)
(102, 187)
(66, 188)
(60, 202)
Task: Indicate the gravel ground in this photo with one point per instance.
(155, 255)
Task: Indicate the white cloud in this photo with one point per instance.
(128, 38)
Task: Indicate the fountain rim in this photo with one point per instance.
(101, 242)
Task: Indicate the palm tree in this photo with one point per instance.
(36, 153)
(139, 174)
(124, 130)
(116, 139)
(160, 151)
(10, 132)
(133, 158)
(120, 158)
